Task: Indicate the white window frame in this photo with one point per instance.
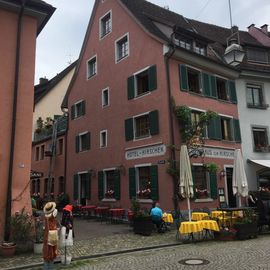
(88, 77)
(76, 109)
(101, 35)
(102, 97)
(134, 127)
(118, 60)
(137, 179)
(209, 199)
(80, 141)
(101, 145)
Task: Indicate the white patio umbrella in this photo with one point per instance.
(186, 181)
(239, 181)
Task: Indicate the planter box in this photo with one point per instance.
(225, 236)
(246, 230)
(38, 248)
(143, 225)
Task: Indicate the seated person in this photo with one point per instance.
(156, 214)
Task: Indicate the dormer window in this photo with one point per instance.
(199, 48)
(183, 42)
(256, 55)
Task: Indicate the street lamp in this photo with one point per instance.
(234, 53)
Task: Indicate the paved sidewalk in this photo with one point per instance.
(98, 239)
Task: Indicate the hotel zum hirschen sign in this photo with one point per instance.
(218, 153)
(150, 151)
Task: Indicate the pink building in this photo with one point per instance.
(136, 58)
(19, 26)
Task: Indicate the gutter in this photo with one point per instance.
(13, 128)
(167, 57)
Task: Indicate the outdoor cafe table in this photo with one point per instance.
(116, 213)
(208, 224)
(167, 218)
(233, 213)
(190, 227)
(198, 215)
(102, 212)
(89, 209)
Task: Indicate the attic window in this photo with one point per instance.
(259, 56)
(183, 42)
(199, 48)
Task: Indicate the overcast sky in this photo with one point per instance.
(60, 41)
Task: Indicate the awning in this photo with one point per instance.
(261, 162)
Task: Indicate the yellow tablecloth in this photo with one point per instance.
(167, 218)
(209, 225)
(198, 215)
(217, 214)
(190, 227)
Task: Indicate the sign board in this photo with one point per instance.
(144, 152)
(218, 153)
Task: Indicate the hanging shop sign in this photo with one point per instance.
(149, 151)
(218, 153)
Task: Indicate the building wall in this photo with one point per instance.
(144, 51)
(43, 165)
(252, 117)
(50, 104)
(22, 147)
(114, 76)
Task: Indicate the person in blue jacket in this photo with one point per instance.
(156, 215)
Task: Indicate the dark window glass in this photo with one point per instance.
(122, 48)
(221, 89)
(254, 95)
(144, 184)
(226, 130)
(200, 182)
(194, 81)
(142, 126)
(260, 139)
(142, 83)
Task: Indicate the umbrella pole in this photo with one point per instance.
(239, 201)
(188, 205)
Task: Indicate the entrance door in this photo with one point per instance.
(231, 197)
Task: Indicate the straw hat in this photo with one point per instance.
(49, 208)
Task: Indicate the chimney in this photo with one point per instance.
(264, 28)
(43, 80)
(234, 29)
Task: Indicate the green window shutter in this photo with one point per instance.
(100, 185)
(72, 112)
(131, 88)
(117, 185)
(75, 187)
(132, 183)
(218, 127)
(236, 129)
(214, 129)
(213, 82)
(77, 144)
(183, 77)
(152, 78)
(154, 183)
(206, 85)
(88, 186)
(83, 107)
(213, 185)
(88, 139)
(129, 129)
(154, 123)
(232, 92)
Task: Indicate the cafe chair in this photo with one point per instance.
(160, 224)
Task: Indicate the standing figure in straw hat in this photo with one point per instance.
(50, 235)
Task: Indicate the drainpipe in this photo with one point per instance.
(167, 57)
(13, 128)
(65, 166)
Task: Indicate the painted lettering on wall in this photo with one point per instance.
(150, 151)
(219, 153)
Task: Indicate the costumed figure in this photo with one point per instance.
(50, 250)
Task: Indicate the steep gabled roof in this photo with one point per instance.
(43, 89)
(146, 12)
(36, 8)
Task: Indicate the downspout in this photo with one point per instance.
(167, 56)
(65, 162)
(13, 127)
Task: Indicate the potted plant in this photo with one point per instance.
(8, 249)
(246, 227)
(39, 235)
(39, 125)
(22, 228)
(142, 221)
(211, 167)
